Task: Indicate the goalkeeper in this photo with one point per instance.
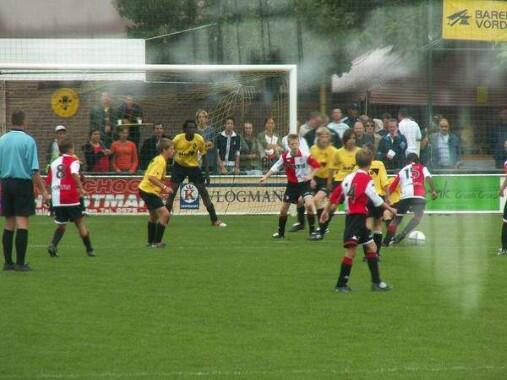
(189, 146)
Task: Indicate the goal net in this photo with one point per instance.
(101, 106)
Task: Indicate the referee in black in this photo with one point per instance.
(19, 170)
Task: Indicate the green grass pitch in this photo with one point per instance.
(231, 303)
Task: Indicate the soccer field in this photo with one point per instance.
(232, 303)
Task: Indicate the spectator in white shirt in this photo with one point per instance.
(336, 123)
(410, 129)
(314, 121)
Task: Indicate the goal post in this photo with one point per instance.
(69, 94)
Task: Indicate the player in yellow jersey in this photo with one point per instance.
(190, 147)
(150, 189)
(378, 174)
(393, 199)
(325, 154)
(344, 164)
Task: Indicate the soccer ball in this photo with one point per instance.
(416, 238)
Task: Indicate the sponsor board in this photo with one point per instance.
(244, 195)
(474, 20)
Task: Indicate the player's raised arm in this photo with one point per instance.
(274, 169)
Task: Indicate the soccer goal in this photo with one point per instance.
(140, 100)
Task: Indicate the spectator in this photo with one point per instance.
(370, 131)
(132, 113)
(250, 153)
(392, 147)
(208, 133)
(361, 137)
(96, 154)
(270, 143)
(336, 124)
(53, 152)
(352, 115)
(499, 139)
(314, 121)
(228, 145)
(385, 123)
(410, 129)
(150, 149)
(445, 147)
(104, 117)
(124, 154)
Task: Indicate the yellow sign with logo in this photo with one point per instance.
(65, 102)
(474, 20)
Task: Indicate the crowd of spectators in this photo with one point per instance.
(114, 143)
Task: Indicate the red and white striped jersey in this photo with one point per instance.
(64, 190)
(297, 167)
(411, 180)
(356, 189)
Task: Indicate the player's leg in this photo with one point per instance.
(152, 227)
(310, 215)
(372, 257)
(377, 233)
(197, 179)
(163, 219)
(503, 250)
(57, 236)
(282, 221)
(84, 234)
(403, 207)
(418, 206)
(175, 185)
(300, 224)
(21, 241)
(345, 269)
(319, 198)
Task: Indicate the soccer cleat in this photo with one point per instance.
(148, 245)
(22, 268)
(159, 245)
(501, 252)
(297, 227)
(315, 236)
(9, 267)
(52, 250)
(343, 289)
(90, 253)
(219, 223)
(380, 287)
(276, 235)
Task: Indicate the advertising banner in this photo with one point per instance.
(474, 20)
(245, 195)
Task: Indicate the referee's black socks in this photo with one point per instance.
(7, 240)
(21, 244)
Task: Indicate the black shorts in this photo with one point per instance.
(67, 214)
(194, 174)
(374, 211)
(17, 197)
(152, 201)
(295, 190)
(321, 185)
(356, 233)
(416, 205)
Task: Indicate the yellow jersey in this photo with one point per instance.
(345, 163)
(156, 168)
(187, 152)
(378, 174)
(325, 157)
(395, 196)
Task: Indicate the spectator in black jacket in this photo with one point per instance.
(131, 113)
(96, 154)
(228, 144)
(150, 146)
(392, 147)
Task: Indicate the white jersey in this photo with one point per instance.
(411, 181)
(410, 129)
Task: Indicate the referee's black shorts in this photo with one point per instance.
(17, 197)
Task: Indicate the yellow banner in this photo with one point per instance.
(474, 20)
